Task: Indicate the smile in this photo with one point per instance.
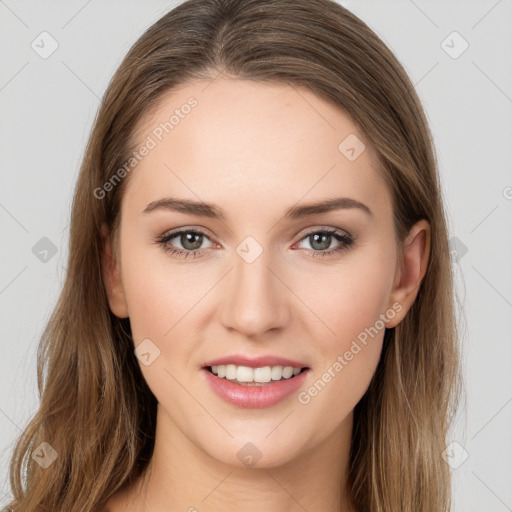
(254, 376)
(248, 392)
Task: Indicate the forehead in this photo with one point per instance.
(243, 144)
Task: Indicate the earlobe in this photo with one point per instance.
(416, 253)
(111, 277)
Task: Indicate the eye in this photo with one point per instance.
(191, 241)
(321, 239)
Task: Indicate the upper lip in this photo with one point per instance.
(255, 362)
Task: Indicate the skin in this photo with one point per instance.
(255, 150)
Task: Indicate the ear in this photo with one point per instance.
(112, 276)
(411, 271)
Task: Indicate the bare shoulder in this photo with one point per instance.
(113, 504)
(118, 502)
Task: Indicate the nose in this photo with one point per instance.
(254, 298)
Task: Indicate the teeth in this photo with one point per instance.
(277, 372)
(261, 374)
(247, 374)
(244, 374)
(231, 371)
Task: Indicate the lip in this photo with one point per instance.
(253, 397)
(255, 362)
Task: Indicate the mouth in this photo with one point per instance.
(260, 376)
(258, 387)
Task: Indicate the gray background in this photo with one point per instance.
(48, 106)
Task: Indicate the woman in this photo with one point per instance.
(258, 306)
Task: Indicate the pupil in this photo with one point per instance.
(187, 237)
(323, 245)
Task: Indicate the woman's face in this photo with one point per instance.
(257, 282)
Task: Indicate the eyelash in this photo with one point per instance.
(345, 239)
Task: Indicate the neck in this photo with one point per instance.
(181, 476)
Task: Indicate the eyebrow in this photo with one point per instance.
(295, 212)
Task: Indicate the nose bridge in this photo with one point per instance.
(254, 298)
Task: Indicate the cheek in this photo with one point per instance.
(350, 297)
(349, 351)
(151, 301)
(162, 300)
(358, 303)
(160, 293)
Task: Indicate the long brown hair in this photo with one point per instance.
(96, 409)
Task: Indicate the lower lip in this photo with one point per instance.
(253, 397)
